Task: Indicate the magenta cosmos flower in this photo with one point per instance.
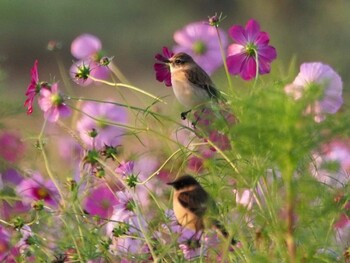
(37, 188)
(33, 88)
(200, 41)
(161, 68)
(320, 79)
(12, 148)
(4, 243)
(87, 48)
(250, 42)
(100, 201)
(52, 104)
(102, 118)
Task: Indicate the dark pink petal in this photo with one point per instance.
(64, 110)
(162, 69)
(249, 69)
(167, 53)
(268, 53)
(264, 66)
(252, 30)
(34, 72)
(238, 34)
(262, 39)
(235, 63)
(31, 89)
(85, 45)
(29, 104)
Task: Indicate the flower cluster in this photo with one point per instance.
(274, 161)
(248, 57)
(87, 49)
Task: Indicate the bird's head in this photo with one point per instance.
(183, 182)
(180, 61)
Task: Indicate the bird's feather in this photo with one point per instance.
(195, 200)
(202, 80)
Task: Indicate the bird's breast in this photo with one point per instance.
(184, 216)
(187, 93)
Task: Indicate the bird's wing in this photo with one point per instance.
(195, 200)
(201, 79)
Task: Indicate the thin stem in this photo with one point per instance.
(224, 59)
(257, 67)
(47, 165)
(116, 71)
(161, 167)
(234, 167)
(127, 86)
(74, 241)
(288, 176)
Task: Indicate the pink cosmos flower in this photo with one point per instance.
(220, 140)
(127, 224)
(4, 243)
(161, 68)
(332, 164)
(85, 45)
(193, 247)
(52, 104)
(195, 164)
(100, 201)
(12, 148)
(320, 79)
(200, 41)
(9, 179)
(342, 227)
(125, 168)
(244, 197)
(250, 42)
(102, 113)
(33, 88)
(87, 48)
(37, 188)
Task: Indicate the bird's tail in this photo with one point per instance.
(224, 232)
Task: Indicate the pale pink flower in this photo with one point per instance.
(52, 104)
(320, 80)
(200, 41)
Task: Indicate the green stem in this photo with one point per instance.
(47, 165)
(127, 86)
(224, 60)
(288, 178)
(257, 67)
(116, 71)
(161, 167)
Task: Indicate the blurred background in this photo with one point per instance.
(133, 31)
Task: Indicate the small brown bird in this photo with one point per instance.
(192, 86)
(193, 206)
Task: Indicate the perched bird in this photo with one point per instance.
(193, 206)
(191, 84)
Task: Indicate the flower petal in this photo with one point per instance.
(252, 30)
(249, 69)
(238, 34)
(85, 45)
(235, 62)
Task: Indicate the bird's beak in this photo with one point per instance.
(170, 183)
(167, 61)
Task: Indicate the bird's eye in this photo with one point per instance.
(178, 61)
